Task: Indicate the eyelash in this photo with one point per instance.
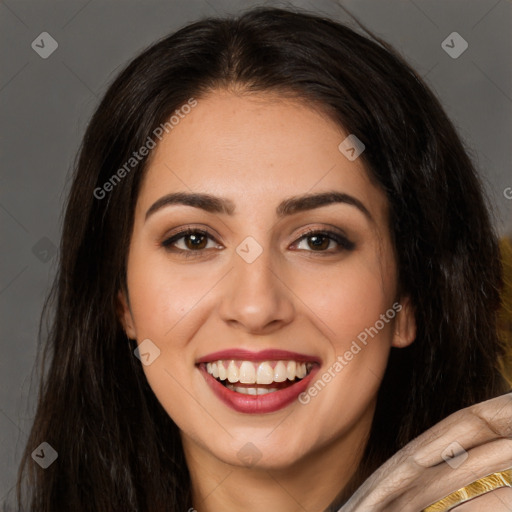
(344, 243)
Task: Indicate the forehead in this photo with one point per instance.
(256, 150)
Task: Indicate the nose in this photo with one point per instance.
(256, 297)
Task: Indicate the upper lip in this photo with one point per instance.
(262, 355)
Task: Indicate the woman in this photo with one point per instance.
(275, 264)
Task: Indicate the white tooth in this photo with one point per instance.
(265, 374)
(244, 391)
(290, 370)
(215, 370)
(222, 370)
(233, 372)
(247, 373)
(209, 368)
(280, 374)
(301, 370)
(265, 391)
(250, 391)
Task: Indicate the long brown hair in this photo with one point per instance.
(118, 448)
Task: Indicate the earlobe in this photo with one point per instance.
(405, 325)
(125, 315)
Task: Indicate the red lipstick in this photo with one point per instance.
(285, 394)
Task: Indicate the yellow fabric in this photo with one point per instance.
(505, 318)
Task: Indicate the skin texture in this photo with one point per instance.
(258, 150)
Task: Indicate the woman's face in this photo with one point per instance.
(257, 294)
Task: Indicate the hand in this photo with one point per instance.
(418, 475)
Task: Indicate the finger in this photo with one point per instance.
(436, 482)
(468, 428)
(414, 487)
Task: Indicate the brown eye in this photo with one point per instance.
(318, 242)
(195, 241)
(321, 241)
(190, 240)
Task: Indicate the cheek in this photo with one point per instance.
(164, 303)
(161, 298)
(345, 390)
(350, 298)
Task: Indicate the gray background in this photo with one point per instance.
(45, 105)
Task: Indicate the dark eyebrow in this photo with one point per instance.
(289, 206)
(310, 201)
(206, 202)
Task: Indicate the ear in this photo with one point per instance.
(405, 324)
(125, 315)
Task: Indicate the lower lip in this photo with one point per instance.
(259, 404)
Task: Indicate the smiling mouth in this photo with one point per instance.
(257, 377)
